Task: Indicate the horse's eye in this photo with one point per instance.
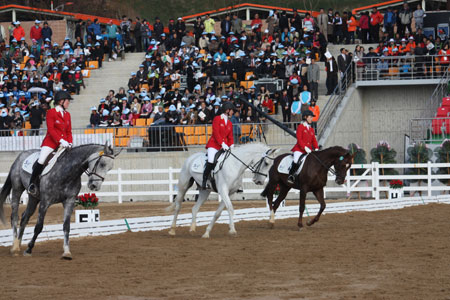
(102, 165)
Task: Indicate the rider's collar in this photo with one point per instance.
(306, 124)
(59, 108)
(224, 117)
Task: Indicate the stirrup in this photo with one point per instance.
(33, 190)
(291, 179)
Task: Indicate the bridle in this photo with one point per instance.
(255, 168)
(94, 169)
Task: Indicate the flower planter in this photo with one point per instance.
(395, 193)
(87, 216)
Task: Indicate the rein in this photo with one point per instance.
(94, 169)
(323, 165)
(255, 168)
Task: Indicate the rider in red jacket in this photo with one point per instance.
(221, 138)
(59, 133)
(306, 142)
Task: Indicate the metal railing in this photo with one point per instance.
(151, 138)
(406, 67)
(335, 99)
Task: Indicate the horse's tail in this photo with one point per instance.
(6, 189)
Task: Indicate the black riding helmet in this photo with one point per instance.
(62, 95)
(307, 113)
(228, 105)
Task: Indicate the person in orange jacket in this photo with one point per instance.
(221, 138)
(352, 24)
(18, 32)
(316, 111)
(375, 20)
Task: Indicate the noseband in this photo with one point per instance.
(94, 169)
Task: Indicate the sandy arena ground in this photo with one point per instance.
(398, 254)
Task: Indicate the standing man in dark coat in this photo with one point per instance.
(138, 35)
(332, 73)
(36, 116)
(158, 28)
(225, 26)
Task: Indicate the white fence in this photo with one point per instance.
(53, 232)
(371, 182)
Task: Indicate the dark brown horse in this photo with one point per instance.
(312, 178)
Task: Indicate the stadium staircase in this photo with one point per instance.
(112, 75)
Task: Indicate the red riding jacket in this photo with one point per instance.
(305, 138)
(221, 133)
(58, 127)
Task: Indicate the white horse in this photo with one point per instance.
(255, 156)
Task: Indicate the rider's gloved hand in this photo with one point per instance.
(307, 149)
(225, 147)
(64, 143)
(232, 146)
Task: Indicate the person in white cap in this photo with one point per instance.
(95, 118)
(36, 33)
(18, 32)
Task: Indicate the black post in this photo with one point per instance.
(276, 122)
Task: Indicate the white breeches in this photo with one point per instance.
(45, 152)
(211, 154)
(297, 155)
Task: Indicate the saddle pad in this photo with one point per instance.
(198, 165)
(286, 163)
(28, 163)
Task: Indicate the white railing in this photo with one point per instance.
(371, 182)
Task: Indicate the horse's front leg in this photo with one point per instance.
(284, 190)
(301, 209)
(319, 196)
(68, 209)
(216, 216)
(43, 207)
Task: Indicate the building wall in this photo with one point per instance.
(58, 27)
(380, 113)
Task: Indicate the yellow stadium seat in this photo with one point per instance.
(149, 121)
(142, 132)
(191, 140)
(202, 140)
(86, 73)
(132, 131)
(199, 130)
(248, 75)
(109, 130)
(189, 130)
(93, 64)
(27, 125)
(100, 130)
(121, 131)
(89, 131)
(141, 122)
(121, 142)
(209, 130)
(245, 129)
(144, 86)
(179, 129)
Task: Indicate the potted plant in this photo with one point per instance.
(395, 189)
(418, 154)
(88, 214)
(384, 154)
(358, 158)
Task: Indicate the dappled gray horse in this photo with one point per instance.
(60, 185)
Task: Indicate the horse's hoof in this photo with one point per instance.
(232, 233)
(67, 256)
(172, 232)
(205, 236)
(26, 253)
(309, 223)
(14, 252)
(271, 225)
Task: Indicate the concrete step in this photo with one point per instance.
(112, 75)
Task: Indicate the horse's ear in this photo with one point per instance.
(116, 153)
(106, 148)
(274, 151)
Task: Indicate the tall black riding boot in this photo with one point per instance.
(294, 168)
(208, 168)
(33, 187)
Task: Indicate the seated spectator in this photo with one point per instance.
(192, 115)
(147, 108)
(115, 119)
(126, 117)
(267, 104)
(172, 116)
(95, 118)
(159, 113)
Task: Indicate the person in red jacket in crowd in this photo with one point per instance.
(59, 134)
(221, 138)
(306, 142)
(36, 33)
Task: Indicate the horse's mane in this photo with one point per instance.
(251, 147)
(334, 149)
